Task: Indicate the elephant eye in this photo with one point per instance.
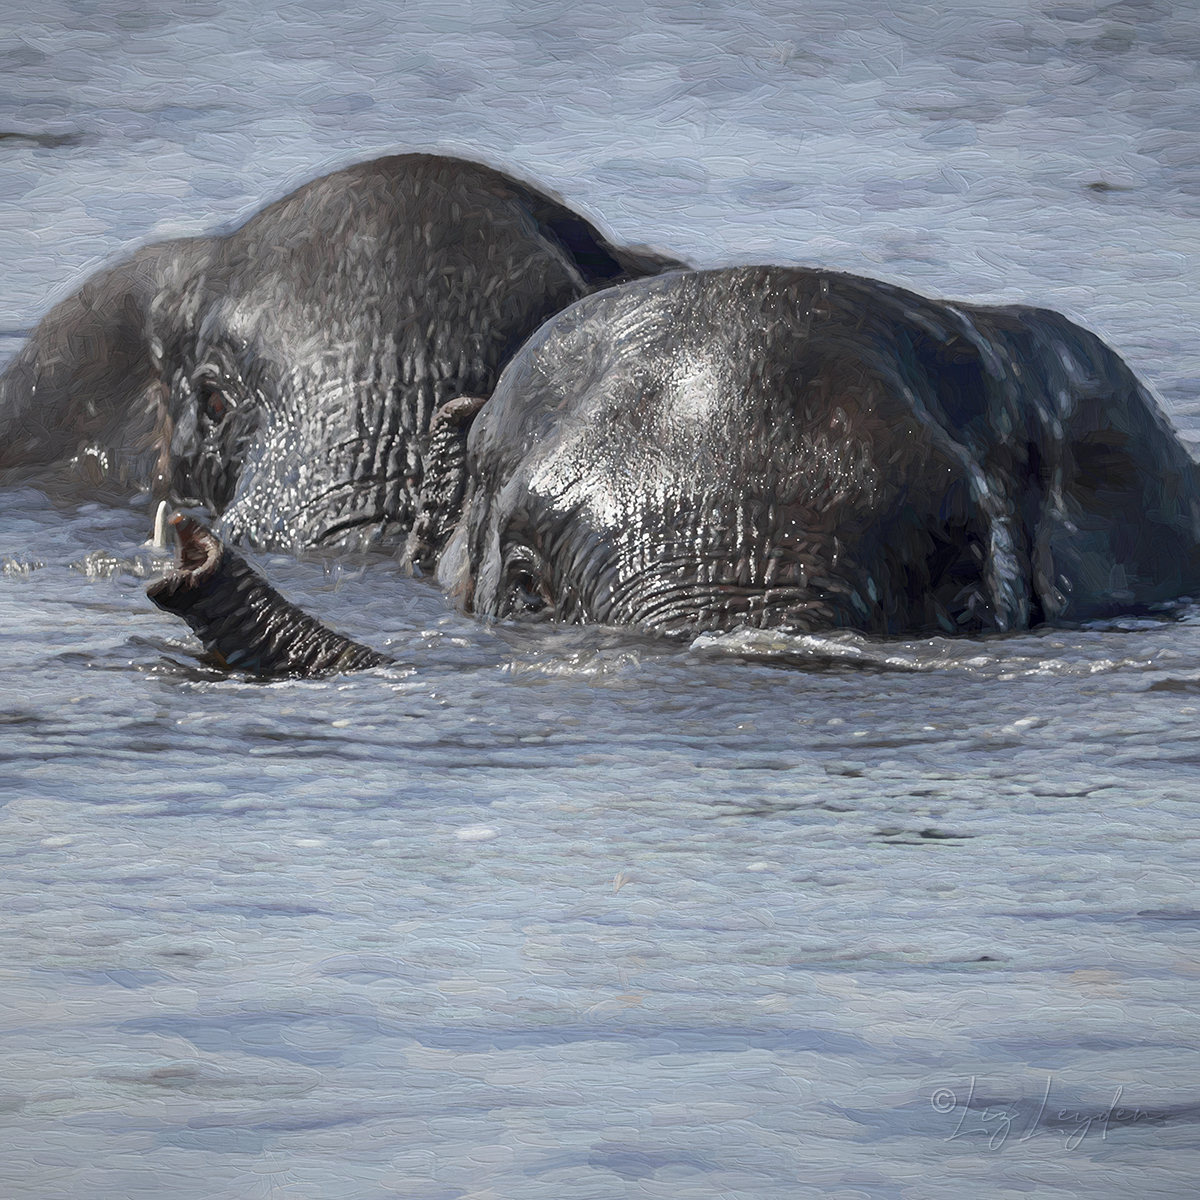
(213, 403)
(527, 591)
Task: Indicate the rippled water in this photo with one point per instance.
(547, 913)
(578, 914)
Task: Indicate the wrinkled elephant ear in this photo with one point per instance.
(600, 263)
(84, 401)
(444, 487)
(243, 622)
(1114, 501)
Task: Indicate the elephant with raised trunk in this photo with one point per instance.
(779, 448)
(285, 375)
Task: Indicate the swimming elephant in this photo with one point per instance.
(284, 375)
(779, 448)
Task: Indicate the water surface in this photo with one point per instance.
(548, 913)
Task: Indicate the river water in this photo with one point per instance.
(548, 914)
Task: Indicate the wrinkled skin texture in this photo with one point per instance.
(772, 447)
(803, 450)
(242, 622)
(284, 376)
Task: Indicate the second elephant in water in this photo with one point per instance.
(284, 374)
(800, 450)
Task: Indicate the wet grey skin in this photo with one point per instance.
(284, 375)
(242, 622)
(805, 451)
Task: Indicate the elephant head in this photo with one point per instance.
(802, 450)
(284, 375)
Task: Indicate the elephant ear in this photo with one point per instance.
(598, 261)
(444, 487)
(83, 404)
(1119, 519)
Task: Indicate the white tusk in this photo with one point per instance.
(160, 526)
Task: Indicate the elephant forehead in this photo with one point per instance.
(694, 398)
(684, 403)
(637, 435)
(642, 446)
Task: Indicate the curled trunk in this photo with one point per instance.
(243, 622)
